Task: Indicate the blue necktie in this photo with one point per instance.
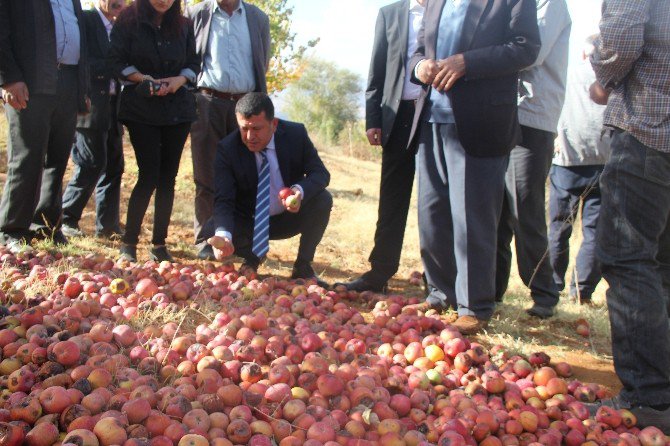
(261, 243)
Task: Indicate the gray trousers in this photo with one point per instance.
(40, 139)
(524, 217)
(216, 120)
(460, 200)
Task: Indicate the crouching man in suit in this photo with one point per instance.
(253, 164)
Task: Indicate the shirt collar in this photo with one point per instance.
(105, 20)
(271, 144)
(216, 8)
(414, 6)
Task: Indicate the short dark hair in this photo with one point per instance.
(252, 104)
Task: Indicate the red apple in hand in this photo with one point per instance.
(285, 193)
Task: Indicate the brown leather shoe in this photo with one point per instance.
(468, 325)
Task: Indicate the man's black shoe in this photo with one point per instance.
(361, 284)
(160, 253)
(540, 311)
(128, 252)
(206, 253)
(306, 272)
(57, 237)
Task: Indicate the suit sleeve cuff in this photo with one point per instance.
(299, 187)
(224, 234)
(129, 70)
(188, 74)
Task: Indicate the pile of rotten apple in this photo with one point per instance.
(281, 362)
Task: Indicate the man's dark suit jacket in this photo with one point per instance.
(499, 38)
(236, 174)
(28, 47)
(100, 71)
(387, 68)
(259, 32)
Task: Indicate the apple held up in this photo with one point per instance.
(290, 198)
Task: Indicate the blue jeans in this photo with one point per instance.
(633, 241)
(569, 189)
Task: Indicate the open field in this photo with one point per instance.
(343, 254)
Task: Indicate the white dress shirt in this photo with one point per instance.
(411, 91)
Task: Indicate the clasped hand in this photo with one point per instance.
(442, 74)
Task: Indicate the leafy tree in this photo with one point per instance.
(325, 98)
(287, 59)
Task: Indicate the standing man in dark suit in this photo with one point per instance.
(98, 148)
(253, 164)
(44, 81)
(233, 41)
(389, 109)
(468, 59)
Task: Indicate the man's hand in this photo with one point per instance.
(222, 246)
(16, 95)
(451, 69)
(374, 136)
(292, 202)
(170, 85)
(598, 94)
(427, 70)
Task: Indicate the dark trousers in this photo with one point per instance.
(40, 139)
(460, 198)
(633, 245)
(98, 159)
(310, 222)
(524, 217)
(158, 151)
(216, 120)
(395, 192)
(571, 188)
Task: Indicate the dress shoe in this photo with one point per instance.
(306, 272)
(71, 230)
(160, 254)
(469, 325)
(128, 252)
(362, 284)
(207, 253)
(17, 245)
(540, 311)
(56, 237)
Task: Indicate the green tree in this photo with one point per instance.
(325, 98)
(287, 59)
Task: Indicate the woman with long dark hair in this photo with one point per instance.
(153, 52)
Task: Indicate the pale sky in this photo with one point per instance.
(346, 29)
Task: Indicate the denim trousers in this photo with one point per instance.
(572, 188)
(633, 245)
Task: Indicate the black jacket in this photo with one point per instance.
(147, 49)
(236, 174)
(100, 72)
(28, 47)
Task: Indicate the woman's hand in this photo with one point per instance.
(170, 85)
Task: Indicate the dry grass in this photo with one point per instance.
(343, 254)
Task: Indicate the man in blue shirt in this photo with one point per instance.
(468, 59)
(44, 82)
(233, 40)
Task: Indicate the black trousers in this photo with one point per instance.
(216, 120)
(395, 192)
(98, 158)
(524, 217)
(310, 222)
(158, 152)
(40, 139)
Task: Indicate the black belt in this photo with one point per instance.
(62, 66)
(221, 95)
